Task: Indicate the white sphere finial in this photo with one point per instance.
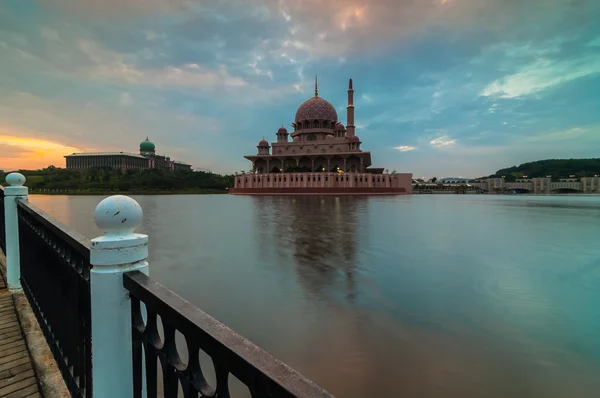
(15, 179)
(118, 214)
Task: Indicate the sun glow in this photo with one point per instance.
(18, 152)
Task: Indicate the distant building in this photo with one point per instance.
(541, 185)
(146, 159)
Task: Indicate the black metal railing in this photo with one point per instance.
(55, 270)
(2, 222)
(263, 375)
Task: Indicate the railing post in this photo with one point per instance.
(117, 252)
(12, 193)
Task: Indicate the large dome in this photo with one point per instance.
(316, 108)
(146, 145)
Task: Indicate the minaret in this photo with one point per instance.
(350, 111)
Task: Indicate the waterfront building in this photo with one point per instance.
(145, 159)
(541, 185)
(320, 156)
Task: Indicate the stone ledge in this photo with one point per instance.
(49, 376)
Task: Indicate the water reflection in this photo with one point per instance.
(320, 232)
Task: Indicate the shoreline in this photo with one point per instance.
(138, 193)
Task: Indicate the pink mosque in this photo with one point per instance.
(323, 157)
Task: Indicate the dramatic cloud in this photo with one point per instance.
(475, 85)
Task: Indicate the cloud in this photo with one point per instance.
(50, 34)
(443, 141)
(405, 148)
(125, 99)
(111, 65)
(582, 134)
(119, 8)
(541, 75)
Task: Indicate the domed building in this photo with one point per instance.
(319, 156)
(146, 159)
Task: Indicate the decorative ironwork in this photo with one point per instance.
(55, 270)
(2, 222)
(265, 376)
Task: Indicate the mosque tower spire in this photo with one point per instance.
(316, 86)
(350, 111)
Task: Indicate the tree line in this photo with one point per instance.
(106, 179)
(556, 168)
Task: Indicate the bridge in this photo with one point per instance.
(543, 185)
(106, 323)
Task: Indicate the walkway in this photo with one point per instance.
(17, 377)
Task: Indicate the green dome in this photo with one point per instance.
(146, 145)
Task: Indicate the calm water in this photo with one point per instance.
(426, 296)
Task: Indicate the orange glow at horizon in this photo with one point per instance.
(18, 152)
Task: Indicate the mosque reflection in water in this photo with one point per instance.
(317, 235)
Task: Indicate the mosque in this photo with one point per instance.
(322, 157)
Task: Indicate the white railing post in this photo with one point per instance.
(117, 252)
(12, 193)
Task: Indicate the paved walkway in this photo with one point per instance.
(17, 377)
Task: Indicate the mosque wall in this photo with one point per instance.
(341, 181)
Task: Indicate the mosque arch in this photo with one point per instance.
(353, 164)
(304, 165)
(320, 164)
(336, 163)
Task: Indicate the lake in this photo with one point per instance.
(464, 296)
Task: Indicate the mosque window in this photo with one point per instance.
(312, 137)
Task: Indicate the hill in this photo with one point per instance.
(557, 168)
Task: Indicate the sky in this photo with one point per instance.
(442, 87)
